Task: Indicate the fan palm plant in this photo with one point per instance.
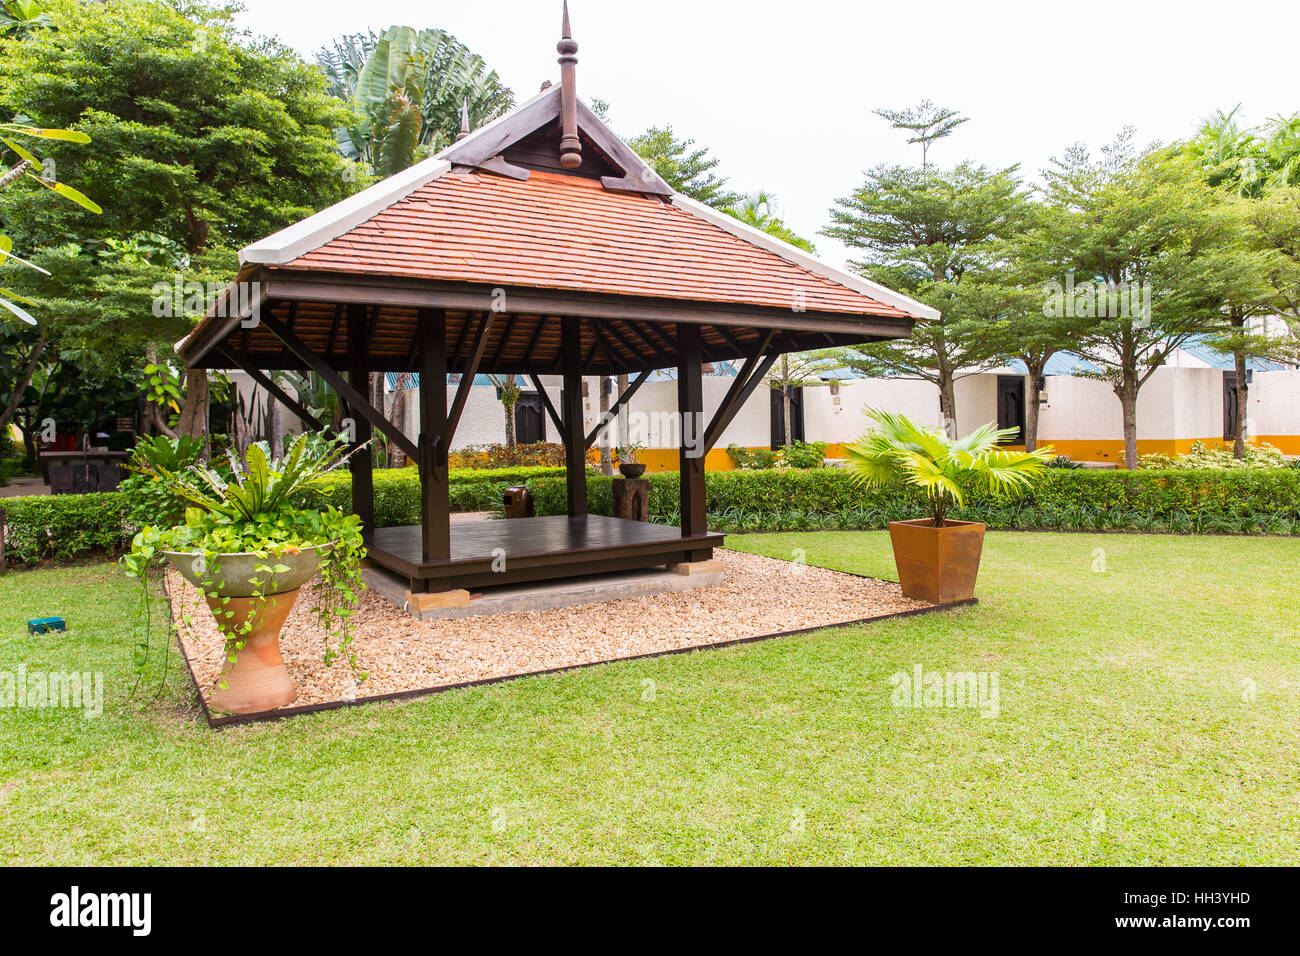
(944, 467)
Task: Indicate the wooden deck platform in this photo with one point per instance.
(534, 549)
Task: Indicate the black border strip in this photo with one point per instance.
(268, 716)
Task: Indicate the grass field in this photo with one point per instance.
(1149, 712)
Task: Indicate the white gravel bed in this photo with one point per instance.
(759, 596)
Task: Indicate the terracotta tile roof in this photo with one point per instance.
(567, 232)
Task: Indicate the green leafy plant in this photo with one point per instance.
(1202, 457)
(250, 510)
(151, 499)
(802, 454)
(943, 467)
(628, 454)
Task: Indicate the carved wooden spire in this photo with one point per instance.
(570, 145)
(464, 120)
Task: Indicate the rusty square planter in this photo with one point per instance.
(938, 565)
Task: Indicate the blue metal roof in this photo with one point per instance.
(414, 380)
(1197, 348)
(659, 375)
(1061, 363)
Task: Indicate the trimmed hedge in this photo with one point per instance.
(61, 527)
(1241, 501)
(397, 490)
(1234, 502)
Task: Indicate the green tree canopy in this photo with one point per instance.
(687, 169)
(936, 235)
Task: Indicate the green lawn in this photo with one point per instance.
(1124, 735)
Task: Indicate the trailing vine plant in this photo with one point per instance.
(250, 511)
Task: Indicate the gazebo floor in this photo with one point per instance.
(514, 550)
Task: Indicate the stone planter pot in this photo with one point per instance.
(258, 679)
(635, 470)
(938, 565)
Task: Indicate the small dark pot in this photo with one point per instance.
(632, 471)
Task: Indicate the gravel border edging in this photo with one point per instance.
(235, 720)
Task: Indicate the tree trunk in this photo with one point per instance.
(397, 457)
(1031, 407)
(276, 425)
(948, 404)
(24, 380)
(1127, 393)
(193, 419)
(622, 412)
(510, 423)
(1237, 317)
(787, 417)
(606, 460)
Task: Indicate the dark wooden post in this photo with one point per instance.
(361, 464)
(690, 407)
(575, 445)
(435, 503)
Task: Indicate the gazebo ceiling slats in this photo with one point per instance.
(519, 342)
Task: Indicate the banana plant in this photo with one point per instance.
(944, 467)
(406, 87)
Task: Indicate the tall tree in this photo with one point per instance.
(688, 169)
(1250, 165)
(200, 133)
(1151, 256)
(926, 122)
(936, 235)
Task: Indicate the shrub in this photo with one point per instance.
(397, 490)
(1242, 501)
(60, 527)
(802, 454)
(1203, 457)
(504, 456)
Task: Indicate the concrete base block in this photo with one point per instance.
(541, 596)
(692, 568)
(429, 600)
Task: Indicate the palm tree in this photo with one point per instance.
(759, 209)
(408, 87)
(945, 467)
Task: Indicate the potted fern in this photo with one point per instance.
(938, 557)
(248, 549)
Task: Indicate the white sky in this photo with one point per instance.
(782, 93)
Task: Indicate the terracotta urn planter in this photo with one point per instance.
(257, 679)
(938, 565)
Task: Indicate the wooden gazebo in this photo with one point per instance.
(539, 244)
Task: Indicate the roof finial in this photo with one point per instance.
(570, 145)
(464, 120)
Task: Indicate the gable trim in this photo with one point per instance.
(804, 260)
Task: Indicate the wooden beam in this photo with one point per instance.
(505, 339)
(605, 329)
(361, 464)
(355, 400)
(575, 451)
(612, 414)
(467, 379)
(435, 499)
(690, 408)
(268, 383)
(740, 390)
(546, 403)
